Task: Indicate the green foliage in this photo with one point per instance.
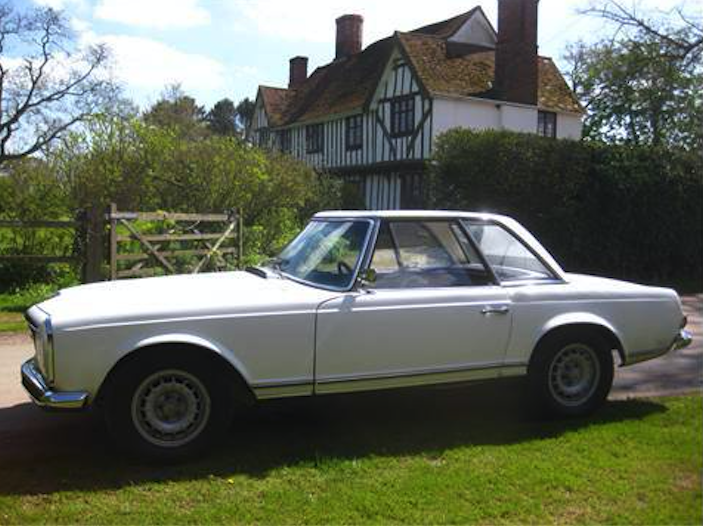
(624, 211)
(637, 89)
(245, 113)
(222, 118)
(179, 113)
(147, 168)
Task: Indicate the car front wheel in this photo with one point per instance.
(167, 409)
(571, 374)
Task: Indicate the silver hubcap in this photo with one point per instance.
(170, 408)
(574, 374)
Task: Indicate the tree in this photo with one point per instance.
(222, 118)
(683, 39)
(178, 112)
(642, 86)
(47, 82)
(245, 114)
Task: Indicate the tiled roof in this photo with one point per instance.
(347, 85)
(275, 102)
(473, 74)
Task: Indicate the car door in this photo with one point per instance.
(435, 314)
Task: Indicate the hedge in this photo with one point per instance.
(622, 211)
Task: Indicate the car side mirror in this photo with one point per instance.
(367, 278)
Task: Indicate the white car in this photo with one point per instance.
(358, 301)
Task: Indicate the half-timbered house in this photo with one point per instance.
(372, 114)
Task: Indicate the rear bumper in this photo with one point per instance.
(682, 340)
(43, 396)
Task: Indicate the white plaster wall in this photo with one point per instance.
(569, 126)
(480, 115)
(518, 118)
(448, 114)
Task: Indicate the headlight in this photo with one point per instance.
(48, 350)
(43, 338)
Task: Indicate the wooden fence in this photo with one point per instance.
(120, 244)
(155, 253)
(73, 257)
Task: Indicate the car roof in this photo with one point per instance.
(405, 214)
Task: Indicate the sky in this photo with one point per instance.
(226, 48)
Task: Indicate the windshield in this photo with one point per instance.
(326, 253)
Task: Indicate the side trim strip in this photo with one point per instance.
(373, 382)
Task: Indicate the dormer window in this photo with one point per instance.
(403, 116)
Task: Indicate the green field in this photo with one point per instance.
(439, 456)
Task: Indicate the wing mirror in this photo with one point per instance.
(367, 278)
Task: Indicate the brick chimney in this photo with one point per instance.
(349, 35)
(516, 73)
(298, 72)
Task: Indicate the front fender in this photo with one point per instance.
(189, 339)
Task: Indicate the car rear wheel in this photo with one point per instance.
(167, 408)
(571, 374)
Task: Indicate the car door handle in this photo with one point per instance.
(503, 309)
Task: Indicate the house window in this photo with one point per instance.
(354, 132)
(263, 138)
(313, 138)
(547, 124)
(285, 141)
(402, 116)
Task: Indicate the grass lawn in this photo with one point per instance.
(433, 456)
(12, 322)
(13, 305)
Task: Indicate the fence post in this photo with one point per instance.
(94, 229)
(113, 241)
(240, 238)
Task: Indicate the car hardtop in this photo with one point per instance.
(411, 214)
(506, 222)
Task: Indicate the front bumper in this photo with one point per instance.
(44, 397)
(682, 340)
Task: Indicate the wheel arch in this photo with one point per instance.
(220, 361)
(576, 322)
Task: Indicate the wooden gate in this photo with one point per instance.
(156, 243)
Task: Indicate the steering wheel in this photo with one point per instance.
(343, 268)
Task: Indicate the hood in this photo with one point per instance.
(177, 297)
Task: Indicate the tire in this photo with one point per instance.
(167, 406)
(571, 374)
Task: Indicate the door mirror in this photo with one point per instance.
(367, 278)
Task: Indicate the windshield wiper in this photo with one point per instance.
(257, 272)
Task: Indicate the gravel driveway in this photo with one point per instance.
(677, 373)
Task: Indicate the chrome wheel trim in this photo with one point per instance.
(574, 374)
(170, 408)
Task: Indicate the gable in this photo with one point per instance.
(397, 79)
(477, 30)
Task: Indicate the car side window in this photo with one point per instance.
(510, 259)
(421, 254)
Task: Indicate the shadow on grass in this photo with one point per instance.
(73, 452)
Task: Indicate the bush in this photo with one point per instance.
(145, 168)
(624, 211)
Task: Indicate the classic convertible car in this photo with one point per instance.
(358, 301)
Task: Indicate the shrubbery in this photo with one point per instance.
(623, 211)
(146, 168)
